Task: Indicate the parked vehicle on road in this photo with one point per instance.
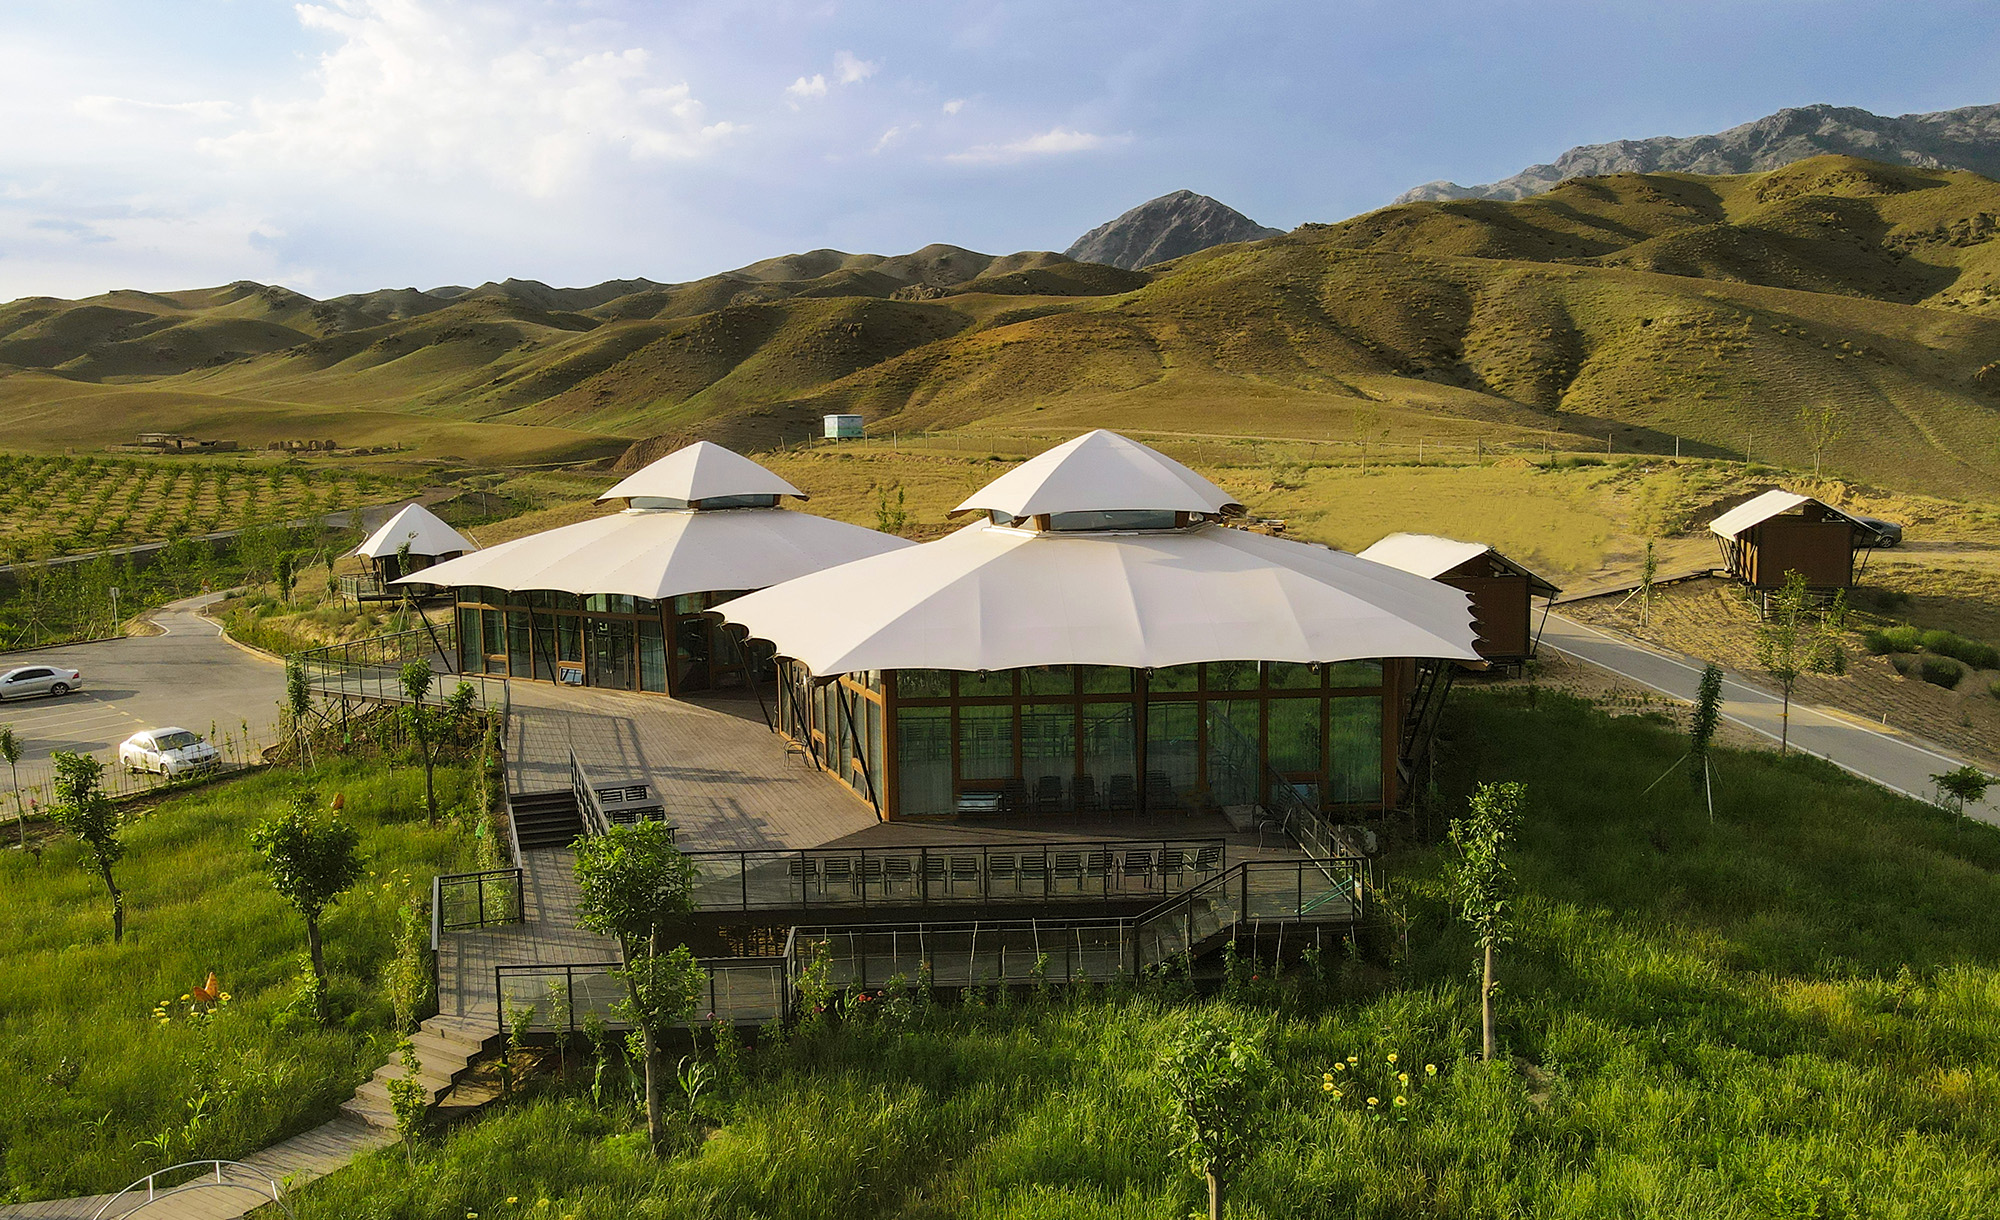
(172, 752)
(1876, 532)
(25, 680)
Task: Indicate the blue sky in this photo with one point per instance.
(344, 145)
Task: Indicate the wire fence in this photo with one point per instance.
(241, 746)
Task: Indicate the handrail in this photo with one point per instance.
(371, 668)
(931, 874)
(588, 806)
(772, 975)
(270, 1189)
(509, 886)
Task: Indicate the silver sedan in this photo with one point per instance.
(25, 680)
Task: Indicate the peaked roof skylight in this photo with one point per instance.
(1099, 471)
(701, 471)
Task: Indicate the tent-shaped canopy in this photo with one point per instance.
(701, 471)
(1431, 556)
(421, 528)
(994, 597)
(657, 553)
(1099, 472)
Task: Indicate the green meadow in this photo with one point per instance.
(1790, 1011)
(100, 1088)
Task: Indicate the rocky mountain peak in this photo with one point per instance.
(1159, 229)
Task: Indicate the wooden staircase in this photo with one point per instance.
(545, 819)
(446, 1048)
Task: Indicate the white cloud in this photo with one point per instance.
(894, 134)
(123, 109)
(954, 105)
(1053, 142)
(853, 70)
(806, 87)
(442, 88)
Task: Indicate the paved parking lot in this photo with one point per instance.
(190, 677)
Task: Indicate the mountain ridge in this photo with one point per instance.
(1966, 138)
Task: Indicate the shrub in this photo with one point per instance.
(1940, 671)
(1903, 662)
(1891, 639)
(1972, 652)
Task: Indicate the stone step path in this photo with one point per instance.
(446, 1047)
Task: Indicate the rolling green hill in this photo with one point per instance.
(1632, 309)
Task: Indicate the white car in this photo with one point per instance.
(172, 752)
(26, 680)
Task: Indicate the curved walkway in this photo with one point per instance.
(1898, 763)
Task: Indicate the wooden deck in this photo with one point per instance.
(723, 775)
(547, 935)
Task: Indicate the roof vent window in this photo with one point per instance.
(1115, 519)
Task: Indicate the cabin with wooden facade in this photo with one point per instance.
(1503, 592)
(1781, 531)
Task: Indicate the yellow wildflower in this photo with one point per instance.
(1402, 1078)
(1327, 1085)
(1392, 1056)
(1339, 1067)
(1374, 1101)
(1402, 1101)
(1430, 1069)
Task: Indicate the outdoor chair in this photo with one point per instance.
(1000, 871)
(1138, 864)
(1173, 867)
(1033, 876)
(1159, 791)
(805, 871)
(1069, 867)
(1014, 797)
(1097, 867)
(839, 870)
(897, 873)
(965, 871)
(871, 875)
(934, 875)
(1121, 794)
(1208, 859)
(1084, 790)
(1048, 794)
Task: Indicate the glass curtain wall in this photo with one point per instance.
(1088, 738)
(604, 640)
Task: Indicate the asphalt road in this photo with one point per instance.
(1897, 763)
(190, 677)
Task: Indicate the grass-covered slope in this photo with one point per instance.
(98, 1090)
(1638, 307)
(1791, 1011)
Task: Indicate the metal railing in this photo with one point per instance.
(209, 1175)
(917, 876)
(1283, 892)
(365, 585)
(476, 900)
(372, 668)
(602, 807)
(563, 997)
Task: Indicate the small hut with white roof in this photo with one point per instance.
(411, 541)
(1100, 640)
(1502, 591)
(1779, 532)
(620, 601)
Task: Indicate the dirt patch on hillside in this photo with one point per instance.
(1710, 620)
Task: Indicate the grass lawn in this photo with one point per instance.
(1793, 1011)
(98, 1091)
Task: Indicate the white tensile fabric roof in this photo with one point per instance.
(1431, 556)
(701, 471)
(661, 553)
(421, 528)
(1759, 509)
(990, 597)
(1099, 472)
